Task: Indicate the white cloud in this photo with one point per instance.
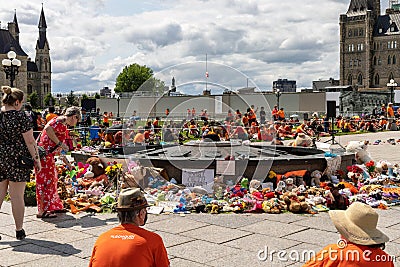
(91, 41)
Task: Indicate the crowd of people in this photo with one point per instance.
(254, 125)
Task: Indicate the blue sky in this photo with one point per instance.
(245, 40)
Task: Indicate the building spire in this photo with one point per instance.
(42, 30)
(16, 21)
(42, 21)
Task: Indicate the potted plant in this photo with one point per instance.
(30, 194)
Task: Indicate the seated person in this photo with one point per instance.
(211, 135)
(264, 135)
(139, 137)
(240, 133)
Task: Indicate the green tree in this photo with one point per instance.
(49, 100)
(34, 100)
(134, 76)
(71, 99)
(97, 96)
(85, 96)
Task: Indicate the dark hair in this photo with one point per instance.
(381, 246)
(28, 107)
(11, 95)
(127, 216)
(52, 109)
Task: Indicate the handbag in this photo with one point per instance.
(28, 162)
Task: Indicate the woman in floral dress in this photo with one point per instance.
(53, 136)
(16, 140)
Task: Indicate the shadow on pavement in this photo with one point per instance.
(42, 247)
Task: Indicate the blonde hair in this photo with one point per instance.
(71, 111)
(11, 95)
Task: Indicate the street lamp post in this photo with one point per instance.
(391, 85)
(118, 99)
(278, 94)
(10, 66)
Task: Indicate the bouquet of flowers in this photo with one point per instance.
(113, 171)
(370, 166)
(355, 173)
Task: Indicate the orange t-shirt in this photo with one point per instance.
(390, 112)
(50, 116)
(350, 256)
(139, 138)
(129, 245)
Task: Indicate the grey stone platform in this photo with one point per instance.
(193, 239)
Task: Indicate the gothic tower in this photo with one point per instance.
(356, 43)
(42, 59)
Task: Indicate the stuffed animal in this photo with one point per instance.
(254, 185)
(335, 200)
(316, 178)
(293, 202)
(289, 184)
(97, 166)
(383, 167)
(360, 150)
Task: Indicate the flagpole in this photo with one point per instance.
(206, 75)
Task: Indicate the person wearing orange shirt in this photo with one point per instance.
(139, 137)
(51, 114)
(274, 112)
(361, 244)
(193, 113)
(280, 114)
(105, 119)
(390, 115)
(135, 246)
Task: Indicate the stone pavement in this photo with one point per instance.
(194, 239)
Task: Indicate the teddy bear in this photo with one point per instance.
(254, 185)
(316, 178)
(289, 184)
(294, 203)
(97, 166)
(335, 200)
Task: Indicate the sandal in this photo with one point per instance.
(46, 215)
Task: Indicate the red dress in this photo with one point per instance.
(46, 179)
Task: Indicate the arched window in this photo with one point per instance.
(389, 60)
(391, 77)
(376, 80)
(45, 64)
(360, 79)
(350, 80)
(375, 61)
(394, 60)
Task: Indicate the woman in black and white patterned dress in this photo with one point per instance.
(16, 140)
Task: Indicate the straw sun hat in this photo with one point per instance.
(358, 224)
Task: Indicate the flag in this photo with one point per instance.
(206, 74)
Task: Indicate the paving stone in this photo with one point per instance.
(79, 248)
(230, 220)
(313, 236)
(202, 251)
(96, 231)
(393, 249)
(216, 234)
(320, 223)
(276, 229)
(175, 225)
(287, 217)
(31, 228)
(177, 262)
(247, 258)
(57, 260)
(171, 240)
(24, 254)
(257, 242)
(57, 237)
